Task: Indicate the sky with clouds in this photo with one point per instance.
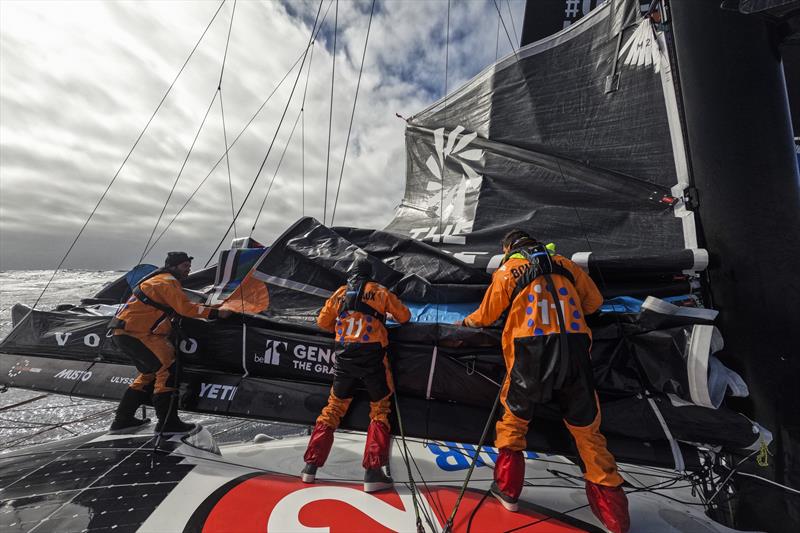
(79, 81)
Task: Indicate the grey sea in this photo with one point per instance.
(50, 417)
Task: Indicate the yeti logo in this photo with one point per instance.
(272, 352)
(453, 201)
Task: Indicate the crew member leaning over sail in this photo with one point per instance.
(356, 313)
(142, 330)
(546, 346)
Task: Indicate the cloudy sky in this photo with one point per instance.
(79, 81)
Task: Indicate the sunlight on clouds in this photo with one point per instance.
(79, 80)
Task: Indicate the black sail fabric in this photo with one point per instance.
(537, 142)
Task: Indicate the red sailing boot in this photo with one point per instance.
(509, 474)
(376, 455)
(319, 446)
(610, 505)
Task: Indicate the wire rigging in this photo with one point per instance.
(124, 161)
(275, 174)
(178, 177)
(303, 137)
(353, 113)
(222, 115)
(272, 142)
(513, 26)
(330, 116)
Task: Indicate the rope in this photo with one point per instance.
(222, 114)
(405, 454)
(116, 174)
(303, 138)
(330, 115)
(178, 177)
(353, 113)
(277, 168)
(449, 525)
(513, 26)
(272, 142)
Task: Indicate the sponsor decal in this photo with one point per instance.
(188, 345)
(216, 391)
(270, 502)
(123, 380)
(454, 456)
(92, 340)
(305, 357)
(22, 366)
(74, 375)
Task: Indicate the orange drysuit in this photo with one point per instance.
(532, 337)
(358, 331)
(145, 334)
(360, 358)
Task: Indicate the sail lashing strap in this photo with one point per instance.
(434, 357)
(677, 455)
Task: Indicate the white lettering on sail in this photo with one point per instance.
(188, 345)
(215, 391)
(92, 340)
(286, 514)
(61, 338)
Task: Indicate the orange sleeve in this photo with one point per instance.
(394, 306)
(495, 301)
(591, 298)
(327, 316)
(168, 291)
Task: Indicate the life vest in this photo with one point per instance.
(353, 300)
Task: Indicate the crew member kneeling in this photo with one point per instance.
(356, 313)
(142, 329)
(546, 346)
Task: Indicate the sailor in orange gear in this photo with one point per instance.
(356, 313)
(142, 329)
(546, 346)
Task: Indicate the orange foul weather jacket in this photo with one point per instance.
(354, 329)
(358, 327)
(532, 329)
(152, 326)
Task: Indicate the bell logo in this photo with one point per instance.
(272, 352)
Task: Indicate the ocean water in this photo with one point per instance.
(47, 417)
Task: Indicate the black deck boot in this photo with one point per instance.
(168, 421)
(375, 479)
(309, 473)
(124, 419)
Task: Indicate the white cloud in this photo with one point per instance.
(79, 80)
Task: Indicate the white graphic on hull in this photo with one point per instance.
(286, 514)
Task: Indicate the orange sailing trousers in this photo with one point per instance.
(153, 356)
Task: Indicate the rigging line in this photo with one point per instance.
(503, 22)
(449, 526)
(178, 177)
(272, 142)
(330, 115)
(446, 65)
(513, 26)
(222, 114)
(303, 136)
(275, 175)
(353, 114)
(765, 480)
(497, 41)
(235, 140)
(124, 161)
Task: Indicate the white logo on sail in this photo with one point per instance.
(272, 354)
(453, 203)
(642, 48)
